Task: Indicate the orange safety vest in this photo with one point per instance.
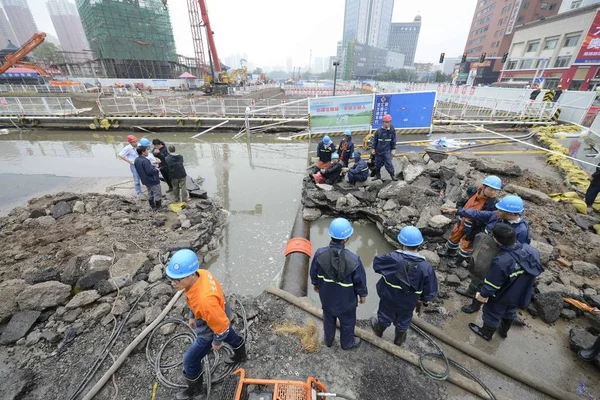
(207, 302)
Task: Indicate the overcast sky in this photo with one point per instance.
(269, 31)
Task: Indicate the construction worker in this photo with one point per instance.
(407, 278)
(593, 189)
(509, 284)
(509, 211)
(149, 177)
(557, 94)
(535, 93)
(346, 148)
(359, 172)
(177, 174)
(465, 229)
(129, 154)
(160, 151)
(144, 142)
(333, 173)
(325, 149)
(210, 317)
(339, 277)
(384, 147)
(590, 353)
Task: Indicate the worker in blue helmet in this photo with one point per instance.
(339, 277)
(346, 148)
(384, 148)
(325, 149)
(509, 283)
(359, 172)
(407, 279)
(210, 317)
(332, 174)
(148, 174)
(508, 210)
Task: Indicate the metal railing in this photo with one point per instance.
(37, 106)
(40, 89)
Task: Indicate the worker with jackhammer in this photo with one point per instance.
(339, 277)
(210, 317)
(509, 284)
(407, 278)
(465, 229)
(384, 147)
(509, 211)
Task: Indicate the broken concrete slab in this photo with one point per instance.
(194, 190)
(83, 299)
(18, 326)
(535, 196)
(586, 269)
(311, 214)
(439, 221)
(411, 172)
(390, 205)
(546, 251)
(325, 187)
(8, 293)
(99, 262)
(16, 383)
(392, 190)
(43, 295)
(549, 306)
(61, 209)
(431, 257)
(497, 167)
(130, 264)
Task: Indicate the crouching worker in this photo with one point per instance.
(407, 278)
(210, 317)
(339, 277)
(509, 284)
(332, 174)
(359, 172)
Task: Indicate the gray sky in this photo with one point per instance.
(269, 31)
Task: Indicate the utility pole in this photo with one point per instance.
(335, 65)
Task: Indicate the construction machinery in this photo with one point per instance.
(15, 59)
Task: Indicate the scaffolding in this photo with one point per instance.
(131, 38)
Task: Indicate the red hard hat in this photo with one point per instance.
(131, 139)
(387, 118)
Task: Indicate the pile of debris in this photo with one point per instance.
(569, 247)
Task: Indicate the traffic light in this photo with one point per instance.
(464, 58)
(504, 57)
(482, 58)
(442, 57)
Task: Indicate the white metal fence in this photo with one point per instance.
(40, 89)
(37, 106)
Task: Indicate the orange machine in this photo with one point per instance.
(14, 59)
(236, 387)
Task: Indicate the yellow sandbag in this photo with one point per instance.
(597, 229)
(579, 205)
(570, 195)
(177, 207)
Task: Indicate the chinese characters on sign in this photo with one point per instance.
(382, 107)
(336, 114)
(590, 49)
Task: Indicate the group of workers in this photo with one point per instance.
(491, 235)
(145, 165)
(551, 95)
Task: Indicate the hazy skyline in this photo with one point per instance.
(270, 32)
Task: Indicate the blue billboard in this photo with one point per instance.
(408, 110)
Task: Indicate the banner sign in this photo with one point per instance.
(408, 110)
(590, 49)
(336, 114)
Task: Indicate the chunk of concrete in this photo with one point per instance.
(549, 306)
(83, 299)
(412, 172)
(535, 196)
(18, 326)
(79, 207)
(392, 190)
(8, 294)
(311, 214)
(43, 295)
(586, 269)
(61, 209)
(130, 264)
(439, 221)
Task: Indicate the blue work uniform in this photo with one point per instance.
(490, 219)
(509, 284)
(340, 276)
(359, 172)
(324, 152)
(345, 150)
(384, 142)
(407, 277)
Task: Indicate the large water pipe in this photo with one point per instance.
(298, 251)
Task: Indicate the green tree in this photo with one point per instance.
(440, 77)
(48, 53)
(257, 71)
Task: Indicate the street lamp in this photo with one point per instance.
(335, 65)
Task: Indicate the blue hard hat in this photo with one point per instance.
(183, 263)
(511, 204)
(410, 236)
(326, 140)
(492, 181)
(145, 142)
(341, 229)
(356, 154)
(348, 132)
(335, 156)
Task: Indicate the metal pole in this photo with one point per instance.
(247, 122)
(334, 77)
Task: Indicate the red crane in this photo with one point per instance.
(212, 48)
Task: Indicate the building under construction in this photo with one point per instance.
(130, 38)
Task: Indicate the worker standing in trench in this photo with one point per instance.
(509, 211)
(339, 277)
(384, 148)
(210, 317)
(508, 285)
(464, 231)
(406, 278)
(129, 154)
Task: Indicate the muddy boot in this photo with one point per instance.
(194, 388)
(152, 204)
(158, 204)
(591, 353)
(459, 261)
(378, 329)
(400, 337)
(394, 177)
(473, 307)
(468, 292)
(485, 331)
(239, 355)
(447, 252)
(356, 344)
(504, 327)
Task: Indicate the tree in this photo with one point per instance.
(257, 71)
(398, 75)
(440, 77)
(48, 53)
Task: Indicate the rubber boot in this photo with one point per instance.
(158, 204)
(152, 204)
(394, 177)
(239, 355)
(484, 331)
(356, 344)
(592, 352)
(473, 307)
(400, 337)
(459, 261)
(378, 175)
(194, 388)
(504, 327)
(447, 252)
(468, 292)
(378, 329)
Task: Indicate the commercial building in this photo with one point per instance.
(368, 22)
(20, 18)
(568, 5)
(132, 39)
(449, 65)
(564, 49)
(492, 31)
(67, 24)
(404, 37)
(366, 62)
(6, 33)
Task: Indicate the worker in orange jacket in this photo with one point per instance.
(464, 231)
(210, 317)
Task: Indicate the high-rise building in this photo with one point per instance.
(20, 18)
(568, 5)
(368, 22)
(67, 24)
(134, 39)
(6, 33)
(289, 65)
(492, 31)
(403, 39)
